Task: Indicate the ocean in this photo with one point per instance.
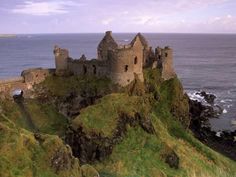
(202, 61)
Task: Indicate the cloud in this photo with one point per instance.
(185, 4)
(227, 22)
(146, 20)
(107, 21)
(44, 8)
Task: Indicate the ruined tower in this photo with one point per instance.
(167, 70)
(61, 60)
(107, 44)
(126, 62)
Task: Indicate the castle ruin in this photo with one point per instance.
(121, 63)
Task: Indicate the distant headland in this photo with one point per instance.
(7, 35)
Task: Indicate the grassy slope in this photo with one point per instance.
(19, 159)
(23, 156)
(142, 154)
(61, 86)
(139, 154)
(103, 117)
(44, 115)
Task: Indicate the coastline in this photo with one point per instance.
(8, 36)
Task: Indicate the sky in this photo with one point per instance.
(95, 16)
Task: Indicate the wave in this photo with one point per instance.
(226, 100)
(225, 111)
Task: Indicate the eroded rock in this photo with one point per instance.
(92, 146)
(172, 160)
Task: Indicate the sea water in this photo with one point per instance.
(202, 61)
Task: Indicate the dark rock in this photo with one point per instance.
(39, 137)
(61, 160)
(172, 160)
(91, 147)
(71, 105)
(200, 115)
(209, 98)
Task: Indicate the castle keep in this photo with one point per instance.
(121, 63)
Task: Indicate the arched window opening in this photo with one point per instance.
(84, 69)
(135, 60)
(126, 68)
(166, 54)
(94, 70)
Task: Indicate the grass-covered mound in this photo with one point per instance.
(102, 118)
(45, 116)
(136, 131)
(142, 154)
(25, 154)
(139, 152)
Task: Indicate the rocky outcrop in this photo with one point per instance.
(90, 147)
(172, 160)
(209, 98)
(223, 141)
(71, 104)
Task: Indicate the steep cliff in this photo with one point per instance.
(140, 130)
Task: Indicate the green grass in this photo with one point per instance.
(139, 154)
(44, 116)
(22, 155)
(62, 86)
(103, 117)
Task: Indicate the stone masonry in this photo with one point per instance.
(121, 63)
(118, 62)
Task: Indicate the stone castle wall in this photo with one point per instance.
(121, 66)
(88, 67)
(125, 63)
(25, 82)
(119, 62)
(7, 86)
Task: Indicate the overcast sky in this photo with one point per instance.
(75, 16)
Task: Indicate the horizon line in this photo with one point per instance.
(50, 33)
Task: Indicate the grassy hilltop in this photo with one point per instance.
(137, 131)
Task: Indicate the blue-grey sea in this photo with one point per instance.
(202, 61)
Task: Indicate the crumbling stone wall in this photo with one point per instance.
(35, 76)
(119, 62)
(108, 43)
(25, 82)
(88, 67)
(8, 86)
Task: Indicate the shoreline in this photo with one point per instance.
(223, 142)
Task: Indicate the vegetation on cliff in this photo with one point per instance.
(26, 154)
(141, 130)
